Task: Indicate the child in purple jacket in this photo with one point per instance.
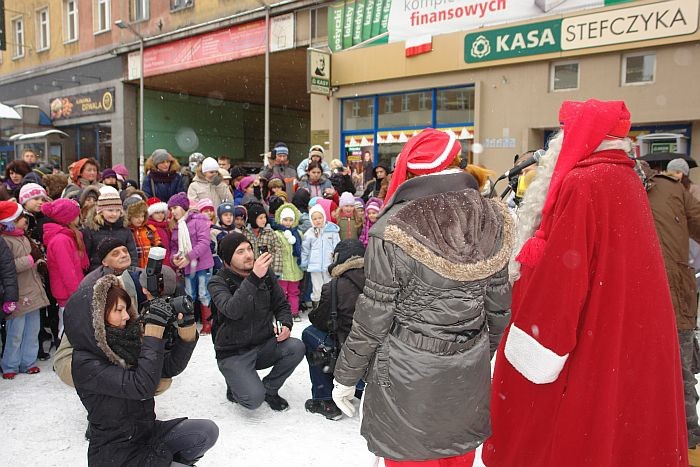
(189, 250)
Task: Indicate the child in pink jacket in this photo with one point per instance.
(66, 257)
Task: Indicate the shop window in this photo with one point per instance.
(455, 105)
(358, 114)
(18, 36)
(43, 38)
(400, 110)
(638, 68)
(101, 15)
(319, 26)
(176, 5)
(425, 101)
(406, 103)
(140, 10)
(563, 76)
(70, 20)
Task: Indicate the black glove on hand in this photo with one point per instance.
(159, 313)
(187, 318)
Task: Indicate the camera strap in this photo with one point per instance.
(333, 328)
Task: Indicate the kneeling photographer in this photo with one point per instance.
(331, 321)
(116, 368)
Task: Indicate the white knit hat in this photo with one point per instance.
(287, 213)
(209, 165)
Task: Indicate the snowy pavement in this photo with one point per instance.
(43, 421)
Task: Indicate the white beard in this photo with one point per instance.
(530, 212)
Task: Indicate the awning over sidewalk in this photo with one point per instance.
(9, 113)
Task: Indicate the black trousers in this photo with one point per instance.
(190, 439)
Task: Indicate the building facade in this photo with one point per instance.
(204, 74)
(501, 85)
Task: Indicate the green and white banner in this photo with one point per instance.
(632, 24)
(356, 21)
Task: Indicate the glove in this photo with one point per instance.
(343, 396)
(289, 236)
(160, 313)
(187, 318)
(9, 307)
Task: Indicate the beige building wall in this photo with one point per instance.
(513, 97)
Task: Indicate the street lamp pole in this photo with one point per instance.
(122, 25)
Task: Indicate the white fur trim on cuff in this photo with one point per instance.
(533, 360)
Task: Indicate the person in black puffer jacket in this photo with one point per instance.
(107, 222)
(254, 323)
(348, 273)
(116, 368)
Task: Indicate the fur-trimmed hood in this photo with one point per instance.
(459, 235)
(88, 191)
(354, 262)
(297, 214)
(84, 319)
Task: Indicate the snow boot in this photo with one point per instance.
(276, 402)
(206, 320)
(326, 408)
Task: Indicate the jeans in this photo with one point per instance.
(196, 286)
(240, 371)
(22, 345)
(190, 439)
(291, 291)
(321, 383)
(687, 347)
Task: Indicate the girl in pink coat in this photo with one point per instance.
(65, 251)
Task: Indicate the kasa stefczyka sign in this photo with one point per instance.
(632, 24)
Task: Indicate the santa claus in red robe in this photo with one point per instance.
(588, 372)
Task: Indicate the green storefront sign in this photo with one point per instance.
(516, 41)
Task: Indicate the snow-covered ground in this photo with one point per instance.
(43, 421)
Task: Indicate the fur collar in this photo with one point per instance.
(99, 300)
(354, 262)
(459, 235)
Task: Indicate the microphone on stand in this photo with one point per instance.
(520, 166)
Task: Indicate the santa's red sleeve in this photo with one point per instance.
(546, 310)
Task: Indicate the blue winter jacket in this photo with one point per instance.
(162, 187)
(317, 252)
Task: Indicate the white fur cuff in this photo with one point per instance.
(533, 360)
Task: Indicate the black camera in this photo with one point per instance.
(324, 357)
(262, 249)
(273, 155)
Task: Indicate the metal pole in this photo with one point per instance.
(267, 79)
(141, 142)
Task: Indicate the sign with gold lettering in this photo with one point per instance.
(81, 105)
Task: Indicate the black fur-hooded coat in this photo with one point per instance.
(119, 398)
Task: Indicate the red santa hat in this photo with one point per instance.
(9, 211)
(156, 205)
(585, 126)
(430, 151)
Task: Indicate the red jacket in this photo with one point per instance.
(64, 261)
(163, 230)
(588, 373)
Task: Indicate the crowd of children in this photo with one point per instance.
(54, 244)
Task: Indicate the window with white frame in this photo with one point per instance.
(176, 5)
(102, 15)
(406, 103)
(70, 20)
(18, 37)
(563, 76)
(319, 25)
(43, 36)
(140, 10)
(638, 68)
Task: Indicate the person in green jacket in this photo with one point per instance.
(286, 228)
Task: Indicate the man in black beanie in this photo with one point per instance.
(254, 324)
